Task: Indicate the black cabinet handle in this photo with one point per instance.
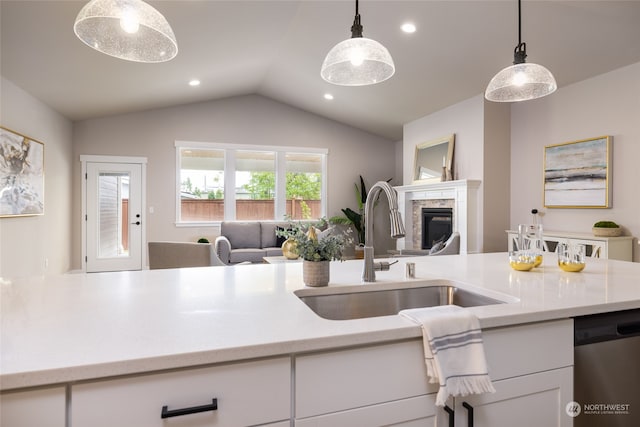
(629, 328)
(469, 409)
(166, 413)
(136, 223)
(451, 413)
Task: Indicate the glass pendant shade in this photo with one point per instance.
(357, 61)
(126, 29)
(521, 82)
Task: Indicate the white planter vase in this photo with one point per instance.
(315, 273)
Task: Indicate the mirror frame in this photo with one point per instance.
(450, 139)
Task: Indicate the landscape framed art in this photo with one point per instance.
(21, 174)
(578, 174)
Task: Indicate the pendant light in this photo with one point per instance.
(357, 61)
(521, 81)
(127, 29)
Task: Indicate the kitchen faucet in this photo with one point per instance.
(397, 227)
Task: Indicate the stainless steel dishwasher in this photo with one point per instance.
(607, 370)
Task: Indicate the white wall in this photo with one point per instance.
(608, 104)
(248, 119)
(481, 152)
(39, 244)
(496, 175)
(465, 119)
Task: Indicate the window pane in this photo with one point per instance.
(255, 185)
(201, 185)
(304, 185)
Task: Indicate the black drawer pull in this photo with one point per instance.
(166, 413)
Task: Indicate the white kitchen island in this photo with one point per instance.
(73, 340)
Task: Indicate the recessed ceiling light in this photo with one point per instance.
(328, 96)
(408, 27)
(194, 82)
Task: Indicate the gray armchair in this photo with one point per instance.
(451, 246)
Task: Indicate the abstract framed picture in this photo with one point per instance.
(578, 174)
(21, 175)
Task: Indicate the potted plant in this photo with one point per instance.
(606, 229)
(317, 245)
(356, 219)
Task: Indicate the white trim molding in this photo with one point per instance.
(464, 194)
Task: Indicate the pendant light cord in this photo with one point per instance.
(520, 52)
(356, 28)
(519, 23)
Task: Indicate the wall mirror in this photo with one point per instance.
(431, 157)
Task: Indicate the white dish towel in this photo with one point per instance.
(453, 350)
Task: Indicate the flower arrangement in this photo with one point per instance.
(316, 241)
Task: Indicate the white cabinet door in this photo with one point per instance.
(41, 408)
(528, 401)
(413, 412)
(246, 394)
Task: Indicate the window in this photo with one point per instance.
(304, 185)
(226, 182)
(201, 185)
(255, 185)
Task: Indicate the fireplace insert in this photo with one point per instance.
(437, 225)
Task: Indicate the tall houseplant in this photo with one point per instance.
(351, 217)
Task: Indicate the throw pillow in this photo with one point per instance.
(436, 247)
(280, 239)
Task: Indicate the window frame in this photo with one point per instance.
(230, 172)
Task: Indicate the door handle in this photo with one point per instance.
(469, 408)
(451, 415)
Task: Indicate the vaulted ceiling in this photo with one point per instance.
(275, 49)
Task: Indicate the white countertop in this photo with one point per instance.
(60, 329)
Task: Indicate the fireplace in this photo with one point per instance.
(461, 196)
(436, 225)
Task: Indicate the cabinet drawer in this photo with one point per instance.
(336, 381)
(42, 408)
(529, 348)
(246, 393)
(416, 411)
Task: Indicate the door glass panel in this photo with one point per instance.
(113, 215)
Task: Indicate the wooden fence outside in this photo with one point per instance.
(246, 210)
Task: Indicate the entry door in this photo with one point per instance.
(113, 216)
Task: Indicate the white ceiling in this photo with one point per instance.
(275, 49)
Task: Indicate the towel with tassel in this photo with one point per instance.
(453, 350)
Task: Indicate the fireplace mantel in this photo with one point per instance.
(463, 194)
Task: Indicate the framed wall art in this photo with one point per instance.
(21, 175)
(578, 174)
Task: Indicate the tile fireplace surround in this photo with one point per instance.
(462, 196)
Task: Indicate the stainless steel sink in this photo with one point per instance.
(373, 303)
